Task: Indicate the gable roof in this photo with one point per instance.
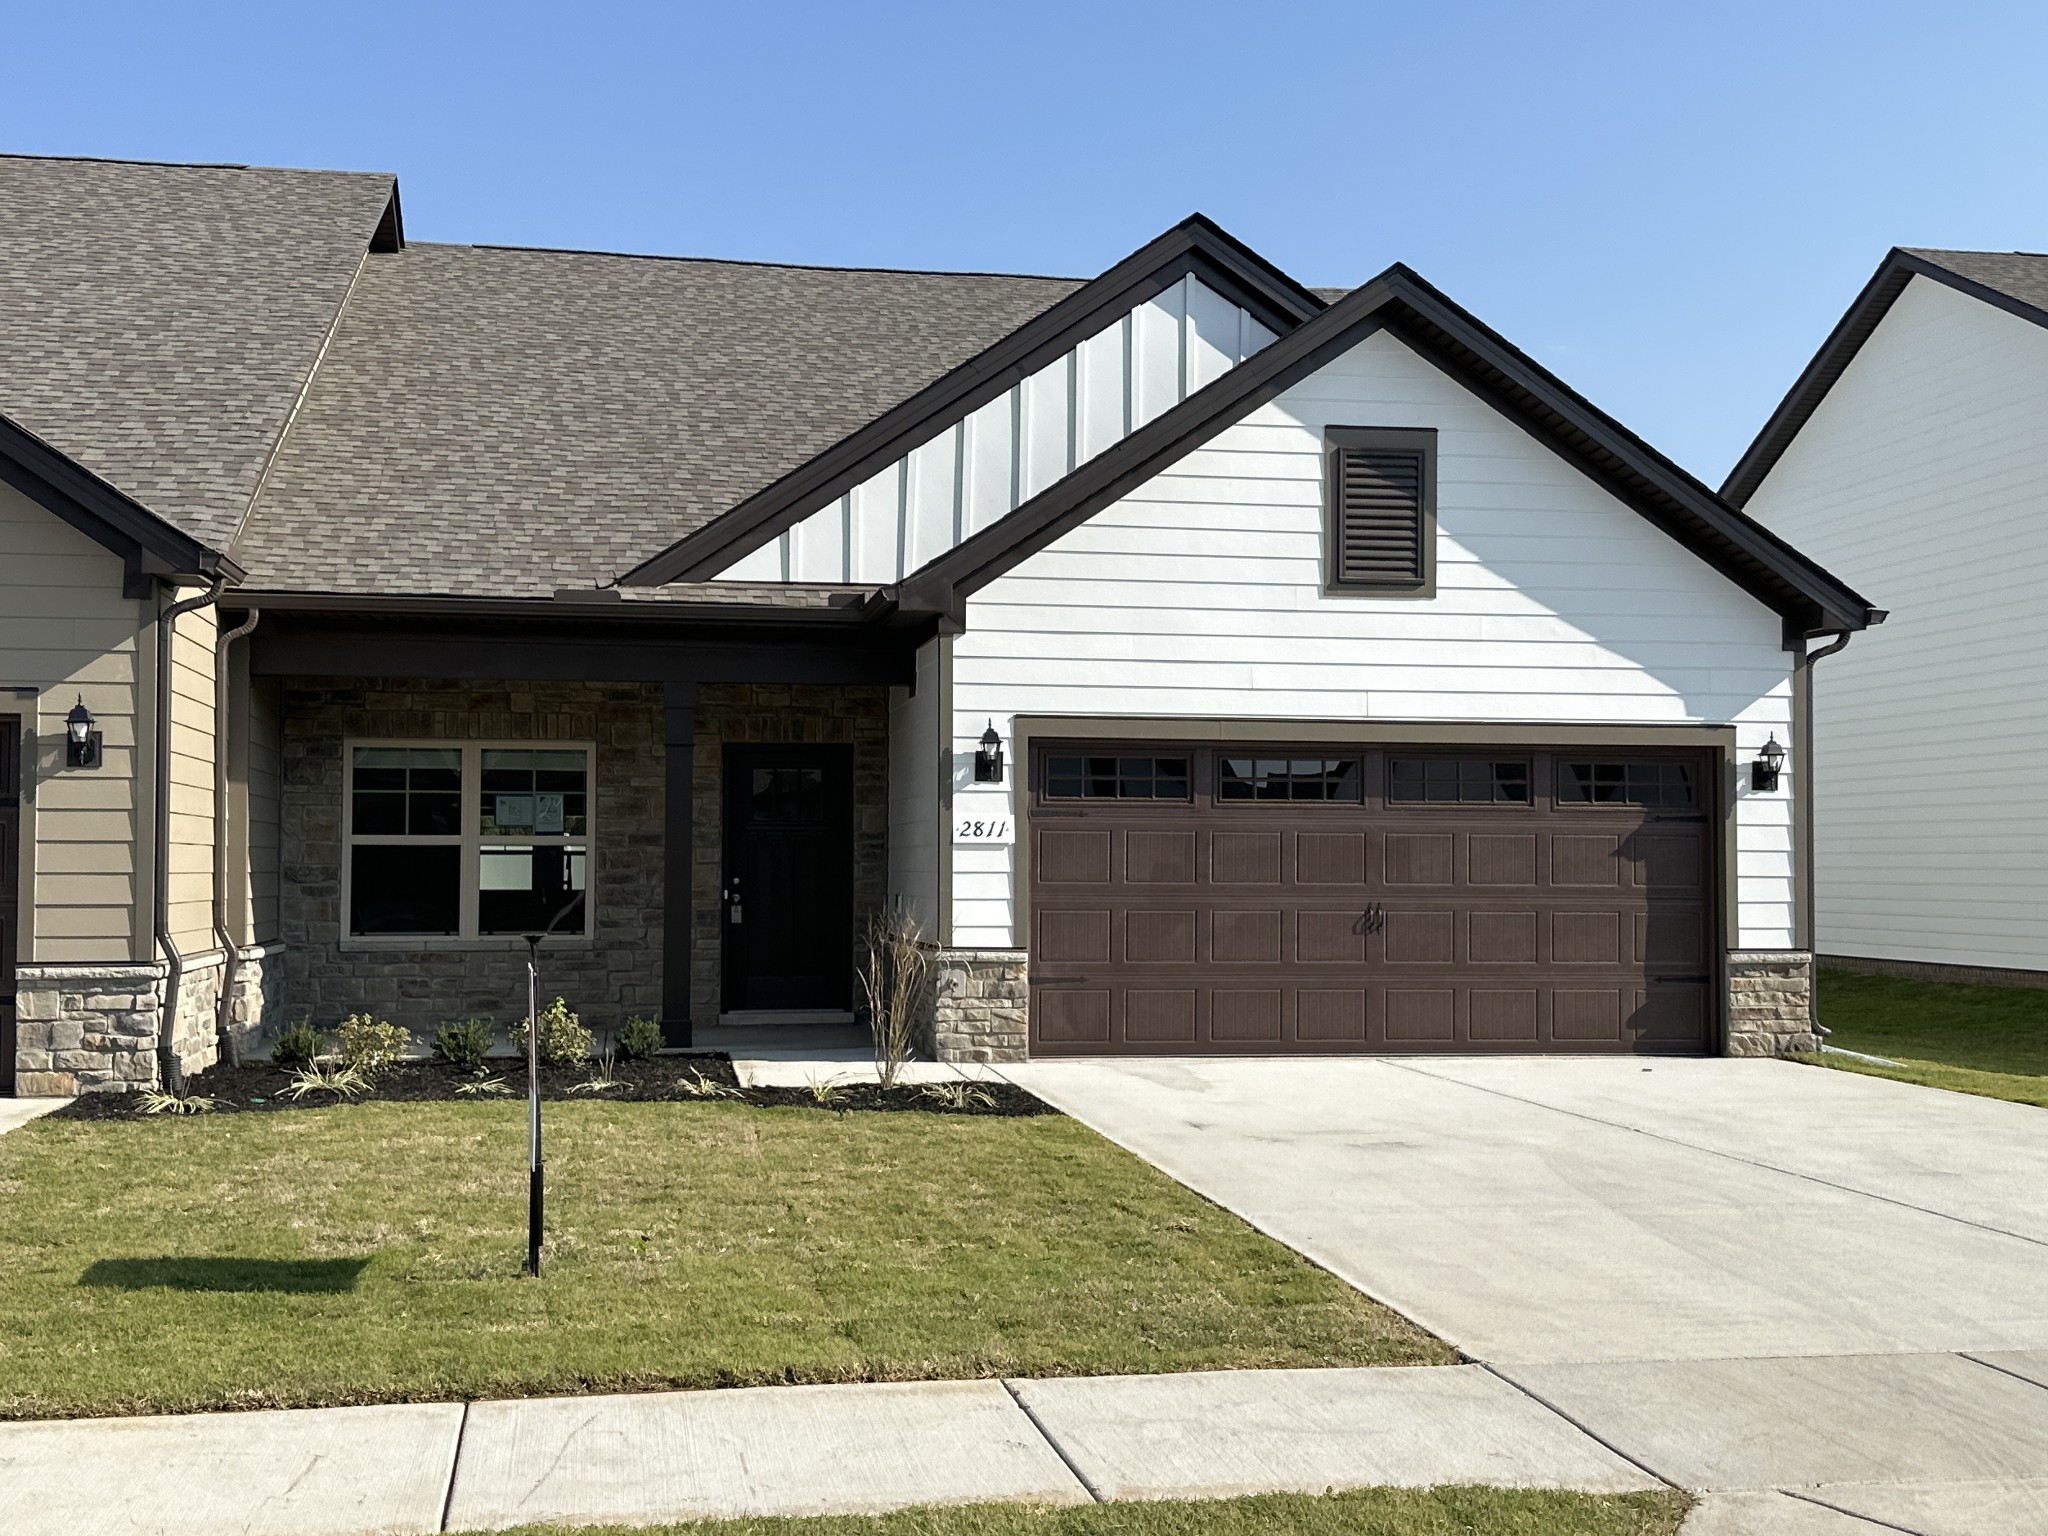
(161, 320)
(2014, 281)
(1399, 301)
(1196, 245)
(506, 422)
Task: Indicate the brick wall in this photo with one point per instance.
(617, 975)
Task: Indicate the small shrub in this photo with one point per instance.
(297, 1045)
(825, 1091)
(483, 1085)
(155, 1101)
(564, 1041)
(698, 1086)
(640, 1038)
(959, 1095)
(603, 1075)
(369, 1044)
(340, 1081)
(463, 1043)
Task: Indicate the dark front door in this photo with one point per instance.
(10, 887)
(787, 896)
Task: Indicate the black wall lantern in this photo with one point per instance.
(81, 741)
(988, 762)
(1763, 773)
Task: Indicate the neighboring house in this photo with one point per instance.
(1212, 664)
(1912, 456)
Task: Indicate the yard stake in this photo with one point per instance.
(533, 1174)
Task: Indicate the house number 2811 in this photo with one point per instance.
(982, 829)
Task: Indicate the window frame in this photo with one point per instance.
(1225, 754)
(1417, 440)
(1561, 761)
(1392, 755)
(472, 841)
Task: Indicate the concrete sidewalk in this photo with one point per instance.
(788, 1451)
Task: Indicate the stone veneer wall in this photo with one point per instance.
(782, 712)
(607, 980)
(91, 1026)
(1770, 1002)
(980, 1005)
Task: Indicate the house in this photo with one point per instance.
(1210, 663)
(1912, 456)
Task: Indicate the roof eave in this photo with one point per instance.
(149, 545)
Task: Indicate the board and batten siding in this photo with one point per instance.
(914, 716)
(1922, 479)
(982, 468)
(262, 798)
(68, 633)
(1201, 595)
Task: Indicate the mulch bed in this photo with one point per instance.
(260, 1087)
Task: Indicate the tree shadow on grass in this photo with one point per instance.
(225, 1274)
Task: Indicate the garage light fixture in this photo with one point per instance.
(81, 741)
(988, 762)
(1763, 773)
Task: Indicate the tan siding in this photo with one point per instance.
(192, 739)
(68, 632)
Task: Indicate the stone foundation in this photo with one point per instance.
(981, 1005)
(255, 1012)
(1770, 1002)
(91, 1026)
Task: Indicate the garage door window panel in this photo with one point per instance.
(1457, 781)
(1664, 786)
(1117, 778)
(1293, 780)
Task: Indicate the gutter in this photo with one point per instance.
(169, 1074)
(1807, 861)
(224, 1005)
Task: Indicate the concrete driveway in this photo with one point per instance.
(1809, 1294)
(1532, 1209)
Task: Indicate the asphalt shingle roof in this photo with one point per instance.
(2021, 275)
(157, 322)
(509, 422)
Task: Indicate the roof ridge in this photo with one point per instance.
(188, 165)
(738, 261)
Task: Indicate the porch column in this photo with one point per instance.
(679, 741)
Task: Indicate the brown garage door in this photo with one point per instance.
(1288, 898)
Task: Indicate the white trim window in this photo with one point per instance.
(470, 840)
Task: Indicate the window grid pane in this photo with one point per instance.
(1116, 778)
(1457, 781)
(1653, 785)
(1290, 779)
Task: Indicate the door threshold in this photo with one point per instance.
(771, 1018)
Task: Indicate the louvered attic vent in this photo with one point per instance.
(1382, 526)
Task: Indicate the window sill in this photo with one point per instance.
(492, 944)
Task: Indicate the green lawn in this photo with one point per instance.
(1985, 1040)
(371, 1253)
(1363, 1512)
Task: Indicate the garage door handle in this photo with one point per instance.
(1371, 920)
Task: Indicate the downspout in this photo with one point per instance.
(224, 1005)
(169, 1074)
(1807, 862)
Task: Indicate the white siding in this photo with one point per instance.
(1922, 480)
(67, 632)
(1201, 595)
(1073, 408)
(914, 790)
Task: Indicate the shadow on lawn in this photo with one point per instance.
(303, 1275)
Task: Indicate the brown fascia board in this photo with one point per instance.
(148, 545)
(389, 235)
(1479, 358)
(1898, 268)
(1197, 244)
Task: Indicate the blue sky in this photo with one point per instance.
(1668, 205)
